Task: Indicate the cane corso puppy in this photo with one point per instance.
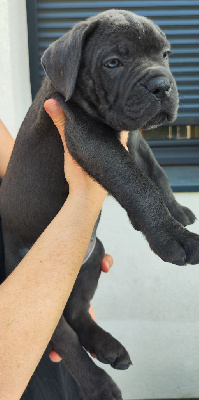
(109, 73)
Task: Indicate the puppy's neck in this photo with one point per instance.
(83, 102)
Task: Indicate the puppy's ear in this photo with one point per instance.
(61, 61)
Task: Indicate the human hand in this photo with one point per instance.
(124, 139)
(6, 146)
(80, 183)
(106, 264)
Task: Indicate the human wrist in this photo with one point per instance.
(88, 197)
(88, 204)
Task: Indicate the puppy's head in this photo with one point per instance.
(116, 66)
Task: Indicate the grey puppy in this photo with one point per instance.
(109, 73)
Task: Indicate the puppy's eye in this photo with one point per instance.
(166, 54)
(113, 63)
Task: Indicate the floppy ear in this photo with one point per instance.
(62, 59)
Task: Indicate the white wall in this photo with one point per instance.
(15, 95)
(152, 307)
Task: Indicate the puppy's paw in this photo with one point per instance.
(191, 247)
(190, 217)
(182, 214)
(176, 245)
(112, 352)
(103, 388)
(107, 349)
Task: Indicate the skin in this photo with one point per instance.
(6, 146)
(27, 290)
(107, 262)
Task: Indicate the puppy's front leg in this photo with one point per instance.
(96, 148)
(143, 156)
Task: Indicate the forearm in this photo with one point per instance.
(6, 146)
(33, 297)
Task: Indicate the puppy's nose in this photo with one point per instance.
(160, 86)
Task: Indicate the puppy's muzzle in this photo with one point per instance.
(159, 86)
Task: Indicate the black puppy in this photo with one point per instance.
(109, 73)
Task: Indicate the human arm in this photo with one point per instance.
(6, 146)
(107, 261)
(33, 297)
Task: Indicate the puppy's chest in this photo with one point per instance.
(33, 191)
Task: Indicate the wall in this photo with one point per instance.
(14, 64)
(152, 307)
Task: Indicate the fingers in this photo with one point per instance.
(91, 312)
(55, 357)
(124, 138)
(56, 113)
(106, 263)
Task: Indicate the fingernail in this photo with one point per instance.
(53, 106)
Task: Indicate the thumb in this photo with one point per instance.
(56, 113)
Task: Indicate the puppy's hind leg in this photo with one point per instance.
(92, 337)
(144, 158)
(94, 382)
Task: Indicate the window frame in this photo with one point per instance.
(31, 9)
(167, 152)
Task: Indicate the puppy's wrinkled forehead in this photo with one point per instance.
(139, 33)
(117, 18)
